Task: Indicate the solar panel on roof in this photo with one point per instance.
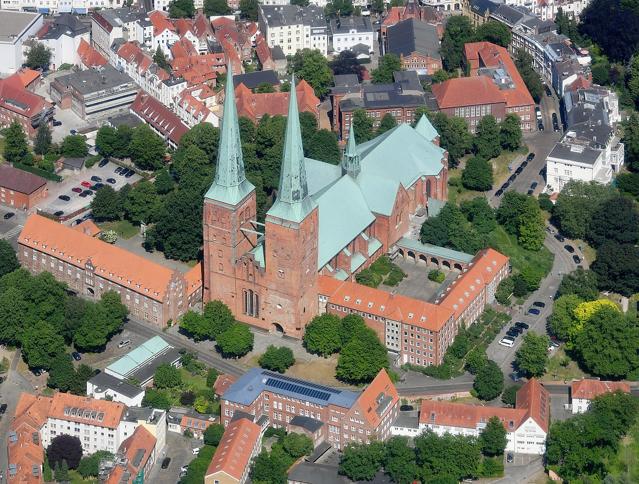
(299, 389)
(302, 382)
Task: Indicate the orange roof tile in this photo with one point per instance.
(111, 262)
(379, 397)
(160, 22)
(89, 56)
(100, 413)
(27, 76)
(140, 440)
(588, 389)
(536, 400)
(470, 283)
(183, 48)
(466, 91)
(255, 105)
(193, 278)
(159, 116)
(468, 416)
(222, 383)
(234, 452)
(184, 25)
(88, 227)
(14, 97)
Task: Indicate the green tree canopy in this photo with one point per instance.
(312, 66)
(146, 148)
(524, 64)
(563, 318)
(42, 143)
(388, 64)
(388, 122)
(399, 461)
(106, 205)
(489, 381)
(495, 32)
(361, 462)
(8, 258)
(322, 335)
(454, 136)
(74, 146)
(363, 125)
(581, 282)
(532, 356)
(346, 63)
(617, 268)
(623, 228)
(493, 438)
(458, 32)
(16, 149)
(362, 358)
(447, 457)
(38, 57)
(216, 7)
(142, 204)
(510, 132)
(576, 205)
(277, 359)
(41, 343)
(167, 376)
(323, 146)
(478, 174)
(487, 138)
(181, 9)
(249, 9)
(213, 434)
(235, 341)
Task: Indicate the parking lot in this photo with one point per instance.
(78, 182)
(10, 227)
(179, 449)
(112, 352)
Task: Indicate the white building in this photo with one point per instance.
(548, 9)
(118, 23)
(62, 37)
(526, 425)
(406, 424)
(104, 386)
(60, 6)
(583, 392)
(591, 149)
(348, 32)
(15, 29)
(294, 28)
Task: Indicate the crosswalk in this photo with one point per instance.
(11, 233)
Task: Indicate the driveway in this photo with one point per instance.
(178, 448)
(10, 228)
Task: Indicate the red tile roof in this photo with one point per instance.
(222, 383)
(160, 22)
(15, 98)
(138, 449)
(27, 76)
(88, 228)
(536, 400)
(20, 180)
(193, 278)
(133, 54)
(89, 56)
(202, 26)
(159, 116)
(262, 50)
(234, 452)
(184, 25)
(111, 262)
(587, 389)
(183, 48)
(466, 91)
(254, 106)
(100, 413)
(378, 398)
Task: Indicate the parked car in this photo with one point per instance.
(510, 458)
(542, 172)
(184, 468)
(539, 304)
(533, 185)
(111, 181)
(548, 91)
(534, 311)
(165, 462)
(83, 194)
(540, 126)
(59, 213)
(519, 170)
(118, 170)
(499, 193)
(196, 451)
(524, 163)
(577, 259)
(57, 123)
(97, 186)
(538, 112)
(559, 237)
(76, 190)
(103, 162)
(406, 408)
(76, 356)
(511, 178)
(123, 343)
(522, 325)
(530, 156)
(569, 248)
(88, 192)
(129, 174)
(8, 215)
(73, 132)
(86, 184)
(512, 333)
(66, 198)
(96, 178)
(516, 329)
(530, 191)
(3, 408)
(507, 341)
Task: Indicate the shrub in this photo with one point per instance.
(504, 291)
(382, 266)
(395, 276)
(436, 276)
(368, 278)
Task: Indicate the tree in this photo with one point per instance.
(41, 344)
(510, 132)
(478, 174)
(631, 140)
(297, 445)
(363, 126)
(249, 9)
(450, 228)
(64, 447)
(399, 461)
(509, 396)
(495, 32)
(346, 63)
(532, 357)
(38, 57)
(617, 268)
(147, 148)
(454, 136)
(580, 282)
(143, 204)
(520, 215)
(489, 381)
(458, 32)
(387, 123)
(361, 462)
(42, 143)
(480, 214)
(90, 466)
(106, 205)
(178, 228)
(388, 64)
(106, 140)
(612, 25)
(216, 7)
(362, 358)
(271, 466)
(350, 327)
(160, 59)
(440, 75)
(181, 9)
(62, 471)
(576, 205)
(607, 345)
(493, 438)
(312, 66)
(487, 139)
(156, 399)
(16, 149)
(450, 458)
(74, 146)
(235, 341)
(213, 434)
(562, 319)
(62, 374)
(211, 377)
(623, 228)
(323, 146)
(322, 335)
(164, 182)
(277, 359)
(524, 64)
(167, 376)
(8, 259)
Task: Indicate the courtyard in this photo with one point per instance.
(416, 283)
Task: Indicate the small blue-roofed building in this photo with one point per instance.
(140, 363)
(319, 411)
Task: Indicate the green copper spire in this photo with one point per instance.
(230, 185)
(350, 161)
(292, 203)
(426, 129)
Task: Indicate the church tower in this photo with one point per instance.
(229, 208)
(292, 225)
(350, 161)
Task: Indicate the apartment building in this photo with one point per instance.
(347, 33)
(584, 391)
(161, 119)
(15, 30)
(22, 106)
(62, 37)
(21, 189)
(119, 23)
(52, 7)
(294, 28)
(152, 293)
(341, 416)
(526, 425)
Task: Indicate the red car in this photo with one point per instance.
(76, 190)
(86, 184)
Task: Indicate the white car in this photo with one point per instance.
(508, 342)
(196, 451)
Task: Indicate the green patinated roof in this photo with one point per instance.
(434, 250)
(258, 253)
(380, 192)
(340, 275)
(138, 356)
(426, 129)
(230, 185)
(320, 174)
(373, 246)
(293, 202)
(356, 261)
(343, 215)
(351, 161)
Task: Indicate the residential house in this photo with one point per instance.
(105, 386)
(414, 10)
(294, 28)
(347, 33)
(63, 37)
(584, 391)
(19, 104)
(162, 120)
(89, 57)
(416, 44)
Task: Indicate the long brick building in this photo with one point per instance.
(338, 417)
(90, 267)
(20, 189)
(327, 220)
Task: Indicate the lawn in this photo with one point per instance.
(519, 257)
(500, 166)
(123, 228)
(625, 465)
(197, 382)
(589, 252)
(556, 371)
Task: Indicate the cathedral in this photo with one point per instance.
(327, 220)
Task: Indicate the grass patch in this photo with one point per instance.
(589, 252)
(520, 258)
(500, 166)
(76, 478)
(195, 382)
(625, 464)
(123, 228)
(562, 367)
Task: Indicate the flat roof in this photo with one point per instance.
(141, 362)
(13, 24)
(103, 381)
(95, 80)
